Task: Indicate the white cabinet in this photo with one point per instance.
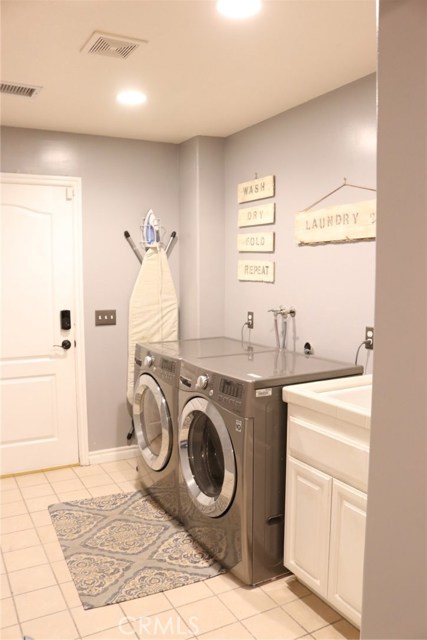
(325, 509)
(307, 524)
(346, 550)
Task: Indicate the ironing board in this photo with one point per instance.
(153, 307)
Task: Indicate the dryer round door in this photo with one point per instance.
(207, 457)
(153, 426)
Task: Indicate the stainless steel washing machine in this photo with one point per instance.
(154, 417)
(232, 438)
(155, 408)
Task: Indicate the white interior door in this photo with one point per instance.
(39, 403)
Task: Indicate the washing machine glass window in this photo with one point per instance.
(153, 426)
(207, 457)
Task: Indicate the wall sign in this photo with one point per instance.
(256, 270)
(342, 223)
(253, 242)
(254, 216)
(255, 189)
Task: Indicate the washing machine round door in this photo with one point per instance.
(207, 457)
(153, 426)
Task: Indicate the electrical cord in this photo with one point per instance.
(365, 342)
(245, 324)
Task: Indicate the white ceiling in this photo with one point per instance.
(203, 74)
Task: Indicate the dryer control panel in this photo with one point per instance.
(166, 369)
(156, 364)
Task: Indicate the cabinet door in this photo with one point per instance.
(307, 523)
(347, 548)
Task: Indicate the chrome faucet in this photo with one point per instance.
(284, 313)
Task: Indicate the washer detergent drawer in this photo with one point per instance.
(337, 455)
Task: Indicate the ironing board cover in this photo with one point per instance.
(153, 307)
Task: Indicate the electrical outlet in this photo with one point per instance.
(369, 336)
(250, 320)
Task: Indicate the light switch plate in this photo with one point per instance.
(105, 316)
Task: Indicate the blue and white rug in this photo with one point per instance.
(124, 546)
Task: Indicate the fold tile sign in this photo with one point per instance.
(342, 223)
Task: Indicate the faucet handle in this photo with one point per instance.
(284, 312)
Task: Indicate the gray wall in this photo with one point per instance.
(395, 578)
(202, 237)
(192, 188)
(121, 180)
(309, 149)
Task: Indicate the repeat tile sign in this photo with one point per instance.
(259, 242)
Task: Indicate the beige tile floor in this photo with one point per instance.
(39, 600)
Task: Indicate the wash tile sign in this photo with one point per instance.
(255, 189)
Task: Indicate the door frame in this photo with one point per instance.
(75, 186)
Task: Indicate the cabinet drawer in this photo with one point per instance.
(341, 458)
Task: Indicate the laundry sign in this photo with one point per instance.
(255, 242)
(254, 216)
(342, 223)
(256, 270)
(255, 189)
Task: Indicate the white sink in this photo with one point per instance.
(356, 396)
(344, 398)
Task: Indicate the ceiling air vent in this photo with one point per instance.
(24, 90)
(108, 44)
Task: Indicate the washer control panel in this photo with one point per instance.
(230, 394)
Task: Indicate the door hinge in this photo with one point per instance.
(69, 193)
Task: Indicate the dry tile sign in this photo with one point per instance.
(259, 242)
(257, 215)
(341, 223)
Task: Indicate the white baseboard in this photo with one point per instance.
(111, 455)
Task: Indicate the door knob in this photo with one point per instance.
(65, 344)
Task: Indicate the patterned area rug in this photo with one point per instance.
(124, 546)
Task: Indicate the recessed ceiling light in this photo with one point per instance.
(238, 9)
(131, 98)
